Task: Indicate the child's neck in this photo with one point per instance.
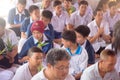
(33, 69)
(73, 48)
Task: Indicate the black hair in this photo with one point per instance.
(56, 3)
(33, 50)
(83, 30)
(83, 2)
(69, 35)
(47, 14)
(32, 8)
(95, 12)
(112, 3)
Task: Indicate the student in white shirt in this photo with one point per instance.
(57, 66)
(99, 32)
(104, 69)
(27, 70)
(60, 17)
(79, 56)
(80, 17)
(112, 16)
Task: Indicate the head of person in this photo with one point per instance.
(21, 4)
(34, 12)
(58, 63)
(37, 29)
(103, 4)
(2, 26)
(57, 6)
(107, 60)
(67, 4)
(116, 37)
(35, 56)
(112, 7)
(68, 38)
(46, 16)
(83, 7)
(98, 14)
(82, 32)
(46, 3)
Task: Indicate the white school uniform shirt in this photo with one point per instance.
(78, 62)
(88, 11)
(111, 21)
(92, 73)
(117, 65)
(60, 22)
(10, 34)
(41, 76)
(23, 73)
(76, 19)
(94, 29)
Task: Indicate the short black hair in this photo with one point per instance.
(32, 8)
(112, 3)
(23, 2)
(56, 3)
(56, 54)
(47, 14)
(95, 12)
(2, 22)
(68, 0)
(83, 30)
(69, 35)
(33, 50)
(83, 2)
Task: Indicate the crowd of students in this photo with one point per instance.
(61, 40)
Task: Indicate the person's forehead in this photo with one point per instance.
(62, 63)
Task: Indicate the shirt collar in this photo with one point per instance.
(78, 13)
(31, 20)
(77, 52)
(44, 39)
(17, 12)
(54, 14)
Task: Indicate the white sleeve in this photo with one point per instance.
(84, 62)
(19, 75)
(86, 76)
(72, 19)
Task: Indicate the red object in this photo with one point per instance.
(38, 25)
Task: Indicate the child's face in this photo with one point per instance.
(99, 16)
(36, 59)
(82, 9)
(35, 15)
(46, 3)
(67, 4)
(37, 35)
(20, 7)
(58, 9)
(46, 21)
(113, 9)
(80, 38)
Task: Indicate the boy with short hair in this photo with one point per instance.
(29, 69)
(80, 17)
(99, 32)
(112, 16)
(34, 16)
(60, 17)
(17, 15)
(82, 33)
(79, 56)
